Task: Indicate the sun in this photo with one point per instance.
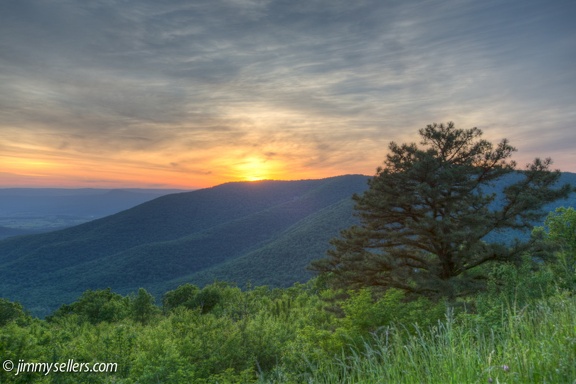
(254, 169)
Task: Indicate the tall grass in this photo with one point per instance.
(534, 344)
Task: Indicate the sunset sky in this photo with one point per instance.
(190, 94)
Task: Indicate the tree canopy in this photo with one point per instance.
(559, 235)
(428, 210)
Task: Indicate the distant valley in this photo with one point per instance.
(35, 210)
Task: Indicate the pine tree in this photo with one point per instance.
(427, 212)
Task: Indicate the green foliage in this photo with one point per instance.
(509, 286)
(96, 306)
(536, 345)
(159, 360)
(364, 314)
(428, 211)
(561, 225)
(268, 335)
(143, 308)
(190, 297)
(207, 299)
(182, 296)
(10, 311)
(559, 233)
(520, 329)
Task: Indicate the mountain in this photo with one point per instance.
(163, 242)
(284, 259)
(263, 233)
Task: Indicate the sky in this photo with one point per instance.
(191, 94)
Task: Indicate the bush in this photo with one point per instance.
(11, 311)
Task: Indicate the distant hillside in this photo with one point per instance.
(284, 259)
(265, 233)
(168, 239)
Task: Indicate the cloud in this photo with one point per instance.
(318, 84)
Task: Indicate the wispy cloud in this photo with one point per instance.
(310, 87)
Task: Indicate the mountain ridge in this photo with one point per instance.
(168, 238)
(263, 232)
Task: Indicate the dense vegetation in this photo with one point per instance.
(520, 330)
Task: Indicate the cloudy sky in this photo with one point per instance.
(193, 93)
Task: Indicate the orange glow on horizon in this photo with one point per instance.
(47, 169)
(177, 166)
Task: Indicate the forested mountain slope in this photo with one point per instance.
(263, 233)
(172, 238)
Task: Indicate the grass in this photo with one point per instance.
(535, 344)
